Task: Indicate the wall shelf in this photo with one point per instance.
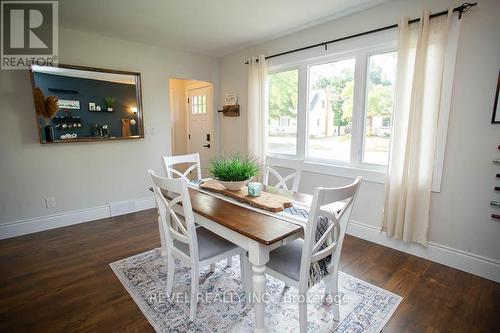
(230, 110)
(60, 90)
(66, 120)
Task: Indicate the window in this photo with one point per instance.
(282, 123)
(337, 111)
(379, 95)
(199, 104)
(331, 88)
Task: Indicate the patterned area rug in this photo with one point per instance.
(223, 303)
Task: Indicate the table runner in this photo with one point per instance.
(297, 214)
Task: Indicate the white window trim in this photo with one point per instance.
(365, 96)
(350, 169)
(279, 69)
(379, 42)
(370, 172)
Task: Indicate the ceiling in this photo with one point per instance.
(211, 27)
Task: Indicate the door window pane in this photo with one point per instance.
(282, 122)
(331, 90)
(199, 104)
(379, 104)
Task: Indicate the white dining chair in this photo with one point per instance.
(303, 263)
(272, 163)
(192, 159)
(194, 246)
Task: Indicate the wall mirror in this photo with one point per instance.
(82, 104)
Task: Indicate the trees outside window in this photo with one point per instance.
(346, 113)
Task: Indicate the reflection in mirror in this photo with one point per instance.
(75, 104)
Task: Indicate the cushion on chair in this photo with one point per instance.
(286, 259)
(209, 244)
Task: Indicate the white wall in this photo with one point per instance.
(460, 213)
(86, 175)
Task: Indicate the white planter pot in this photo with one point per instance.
(234, 186)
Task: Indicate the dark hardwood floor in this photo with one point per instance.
(60, 281)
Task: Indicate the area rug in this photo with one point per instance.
(223, 302)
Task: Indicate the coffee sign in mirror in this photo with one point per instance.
(81, 104)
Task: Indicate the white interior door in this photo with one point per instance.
(200, 124)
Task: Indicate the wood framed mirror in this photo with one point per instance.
(85, 104)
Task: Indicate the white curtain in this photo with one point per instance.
(257, 107)
(421, 55)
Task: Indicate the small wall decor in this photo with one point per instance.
(495, 119)
(68, 104)
(67, 121)
(91, 106)
(230, 99)
(69, 136)
(231, 107)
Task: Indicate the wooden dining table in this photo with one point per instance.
(253, 231)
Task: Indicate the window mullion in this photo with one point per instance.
(302, 112)
(358, 108)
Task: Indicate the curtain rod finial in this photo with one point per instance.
(465, 7)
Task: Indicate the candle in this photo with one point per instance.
(254, 189)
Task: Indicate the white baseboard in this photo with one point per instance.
(28, 226)
(468, 262)
(130, 206)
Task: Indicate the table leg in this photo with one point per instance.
(259, 256)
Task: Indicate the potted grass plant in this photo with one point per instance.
(109, 101)
(234, 171)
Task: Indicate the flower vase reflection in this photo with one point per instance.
(101, 131)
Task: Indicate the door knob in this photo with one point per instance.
(207, 145)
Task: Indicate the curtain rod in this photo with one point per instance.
(460, 9)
